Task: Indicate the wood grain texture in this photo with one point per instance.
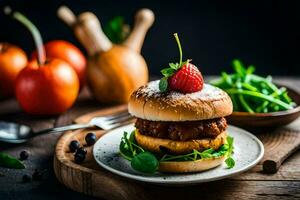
(289, 171)
(250, 185)
(279, 144)
(91, 179)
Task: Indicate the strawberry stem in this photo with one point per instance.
(179, 47)
(41, 55)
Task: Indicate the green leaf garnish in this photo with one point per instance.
(116, 29)
(10, 162)
(230, 162)
(230, 144)
(148, 162)
(163, 84)
(252, 93)
(145, 162)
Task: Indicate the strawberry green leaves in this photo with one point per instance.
(173, 67)
(167, 72)
(163, 84)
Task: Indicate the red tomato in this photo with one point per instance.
(12, 61)
(68, 52)
(49, 89)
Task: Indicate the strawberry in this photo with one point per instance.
(187, 79)
(182, 77)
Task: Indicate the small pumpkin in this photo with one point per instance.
(115, 74)
(113, 71)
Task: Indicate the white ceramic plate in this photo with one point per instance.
(248, 151)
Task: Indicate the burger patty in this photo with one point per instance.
(182, 131)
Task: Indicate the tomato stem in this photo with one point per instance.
(179, 47)
(1, 48)
(41, 55)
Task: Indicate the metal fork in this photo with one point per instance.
(17, 133)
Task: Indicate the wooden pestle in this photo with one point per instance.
(87, 29)
(143, 21)
(67, 16)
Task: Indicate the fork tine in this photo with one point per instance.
(119, 124)
(115, 116)
(111, 121)
(121, 120)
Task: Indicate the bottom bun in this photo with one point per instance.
(155, 145)
(190, 166)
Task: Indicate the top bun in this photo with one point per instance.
(149, 103)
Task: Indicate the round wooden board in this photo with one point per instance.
(88, 177)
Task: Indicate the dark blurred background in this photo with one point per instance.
(262, 33)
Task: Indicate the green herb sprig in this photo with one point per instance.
(10, 162)
(147, 162)
(141, 160)
(173, 67)
(117, 30)
(252, 93)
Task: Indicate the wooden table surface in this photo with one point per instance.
(285, 184)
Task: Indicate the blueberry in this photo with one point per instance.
(37, 175)
(81, 150)
(90, 139)
(24, 155)
(74, 145)
(26, 178)
(79, 158)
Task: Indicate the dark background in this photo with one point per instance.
(212, 33)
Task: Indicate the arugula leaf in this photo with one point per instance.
(145, 162)
(230, 145)
(10, 162)
(124, 148)
(239, 68)
(163, 84)
(208, 153)
(131, 137)
(253, 90)
(250, 69)
(230, 162)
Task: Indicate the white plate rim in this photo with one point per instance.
(182, 182)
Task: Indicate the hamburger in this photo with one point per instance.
(180, 123)
(174, 123)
